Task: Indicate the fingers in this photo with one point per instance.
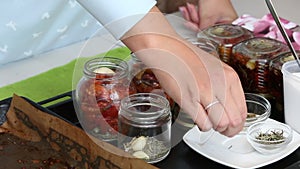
(226, 106)
(217, 115)
(226, 117)
(192, 26)
(234, 117)
(197, 113)
(239, 96)
(202, 120)
(193, 12)
(191, 15)
(184, 12)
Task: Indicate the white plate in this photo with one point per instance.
(234, 152)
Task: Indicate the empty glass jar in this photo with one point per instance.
(145, 126)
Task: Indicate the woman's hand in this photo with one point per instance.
(206, 88)
(208, 13)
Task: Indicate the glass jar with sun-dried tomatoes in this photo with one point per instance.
(251, 60)
(99, 92)
(145, 81)
(276, 85)
(225, 36)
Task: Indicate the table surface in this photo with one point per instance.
(181, 155)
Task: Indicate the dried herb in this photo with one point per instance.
(271, 137)
(252, 117)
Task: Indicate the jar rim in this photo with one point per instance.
(120, 67)
(160, 105)
(259, 47)
(234, 31)
(289, 68)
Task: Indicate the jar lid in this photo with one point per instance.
(226, 34)
(282, 58)
(225, 31)
(260, 48)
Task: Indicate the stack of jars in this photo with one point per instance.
(105, 83)
(257, 60)
(225, 36)
(117, 107)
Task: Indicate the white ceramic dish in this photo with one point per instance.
(235, 152)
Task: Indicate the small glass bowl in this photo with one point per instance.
(261, 136)
(258, 108)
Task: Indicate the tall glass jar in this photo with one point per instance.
(251, 59)
(276, 85)
(226, 36)
(98, 95)
(145, 126)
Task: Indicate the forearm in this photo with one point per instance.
(155, 32)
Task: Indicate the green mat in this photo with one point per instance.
(55, 81)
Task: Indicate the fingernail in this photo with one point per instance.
(207, 125)
(181, 9)
(189, 5)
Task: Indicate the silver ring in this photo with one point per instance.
(211, 104)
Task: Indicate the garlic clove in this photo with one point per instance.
(104, 70)
(141, 155)
(139, 143)
(251, 64)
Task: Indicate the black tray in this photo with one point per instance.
(181, 156)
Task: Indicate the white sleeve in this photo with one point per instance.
(118, 16)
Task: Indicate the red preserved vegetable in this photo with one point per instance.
(251, 59)
(276, 87)
(145, 81)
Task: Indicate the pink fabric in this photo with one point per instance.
(266, 27)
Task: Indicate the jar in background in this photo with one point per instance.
(98, 95)
(145, 126)
(251, 59)
(226, 36)
(276, 85)
(205, 44)
(144, 80)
